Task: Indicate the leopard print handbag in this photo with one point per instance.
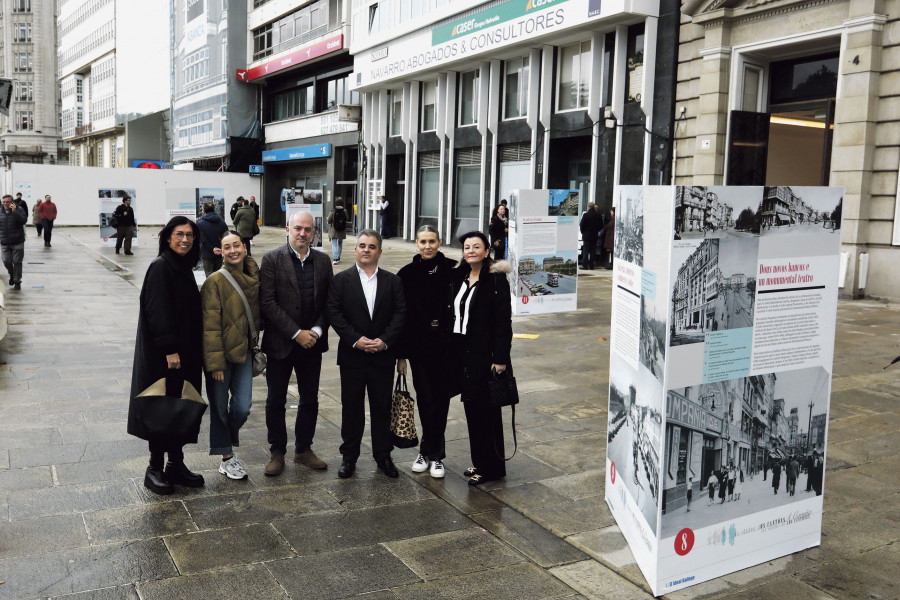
(403, 416)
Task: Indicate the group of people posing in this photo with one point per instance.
(450, 323)
(13, 218)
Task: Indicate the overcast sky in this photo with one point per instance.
(142, 49)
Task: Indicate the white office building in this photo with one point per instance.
(465, 100)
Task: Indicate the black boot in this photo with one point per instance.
(155, 479)
(179, 474)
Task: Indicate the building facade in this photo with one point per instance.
(467, 100)
(796, 93)
(300, 64)
(28, 56)
(215, 117)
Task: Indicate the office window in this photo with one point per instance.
(262, 42)
(24, 120)
(515, 88)
(574, 76)
(468, 98)
(396, 112)
(21, 5)
(429, 106)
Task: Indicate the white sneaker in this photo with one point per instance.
(232, 468)
(421, 464)
(437, 469)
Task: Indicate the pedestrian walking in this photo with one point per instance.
(245, 223)
(480, 346)
(366, 308)
(234, 207)
(776, 476)
(711, 487)
(47, 213)
(425, 343)
(126, 225)
(499, 228)
(722, 475)
(36, 218)
(793, 471)
(212, 228)
(591, 224)
(227, 345)
(19, 202)
(609, 239)
(690, 493)
(169, 338)
(337, 220)
(294, 284)
(732, 476)
(384, 207)
(738, 484)
(12, 239)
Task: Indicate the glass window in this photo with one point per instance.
(468, 191)
(515, 91)
(396, 111)
(468, 98)
(751, 95)
(808, 78)
(429, 192)
(574, 76)
(429, 105)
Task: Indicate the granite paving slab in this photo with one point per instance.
(520, 581)
(138, 522)
(122, 592)
(526, 536)
(220, 548)
(260, 506)
(25, 479)
(26, 504)
(235, 583)
(41, 535)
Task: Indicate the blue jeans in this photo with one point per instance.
(336, 246)
(225, 421)
(307, 365)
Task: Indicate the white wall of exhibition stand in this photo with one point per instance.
(723, 324)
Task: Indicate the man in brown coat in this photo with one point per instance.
(294, 282)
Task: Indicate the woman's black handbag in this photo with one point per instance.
(170, 409)
(503, 391)
(403, 417)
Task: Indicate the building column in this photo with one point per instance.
(712, 120)
(855, 116)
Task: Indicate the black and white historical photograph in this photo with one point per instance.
(717, 211)
(629, 233)
(634, 433)
(801, 210)
(214, 195)
(742, 446)
(653, 336)
(714, 287)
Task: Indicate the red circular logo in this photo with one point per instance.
(684, 541)
(524, 299)
(612, 472)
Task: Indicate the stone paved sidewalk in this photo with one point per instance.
(76, 522)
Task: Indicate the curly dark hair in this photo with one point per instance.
(166, 233)
(488, 261)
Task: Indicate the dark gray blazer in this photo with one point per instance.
(349, 316)
(279, 299)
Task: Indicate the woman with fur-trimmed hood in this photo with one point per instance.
(480, 342)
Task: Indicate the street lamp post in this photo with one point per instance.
(809, 427)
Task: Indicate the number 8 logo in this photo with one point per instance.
(684, 541)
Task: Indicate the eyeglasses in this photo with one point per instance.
(180, 235)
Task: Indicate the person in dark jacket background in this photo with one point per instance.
(609, 240)
(125, 225)
(480, 344)
(424, 342)
(169, 337)
(12, 239)
(591, 224)
(212, 228)
(499, 228)
(245, 223)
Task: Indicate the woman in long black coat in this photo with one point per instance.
(480, 342)
(426, 332)
(169, 336)
(498, 228)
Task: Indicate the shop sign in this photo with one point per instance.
(488, 18)
(683, 411)
(297, 153)
(332, 44)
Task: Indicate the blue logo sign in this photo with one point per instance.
(256, 169)
(298, 153)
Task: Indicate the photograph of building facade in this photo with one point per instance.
(758, 425)
(28, 56)
(629, 238)
(465, 101)
(300, 64)
(794, 93)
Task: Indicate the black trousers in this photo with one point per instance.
(485, 437)
(307, 365)
(158, 450)
(434, 403)
(589, 252)
(356, 383)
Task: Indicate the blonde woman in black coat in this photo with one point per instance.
(426, 331)
(480, 343)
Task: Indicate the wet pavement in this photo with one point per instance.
(77, 523)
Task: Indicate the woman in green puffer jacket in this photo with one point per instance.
(226, 349)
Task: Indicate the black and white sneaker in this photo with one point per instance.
(437, 469)
(420, 465)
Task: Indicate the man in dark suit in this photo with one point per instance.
(366, 309)
(294, 282)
